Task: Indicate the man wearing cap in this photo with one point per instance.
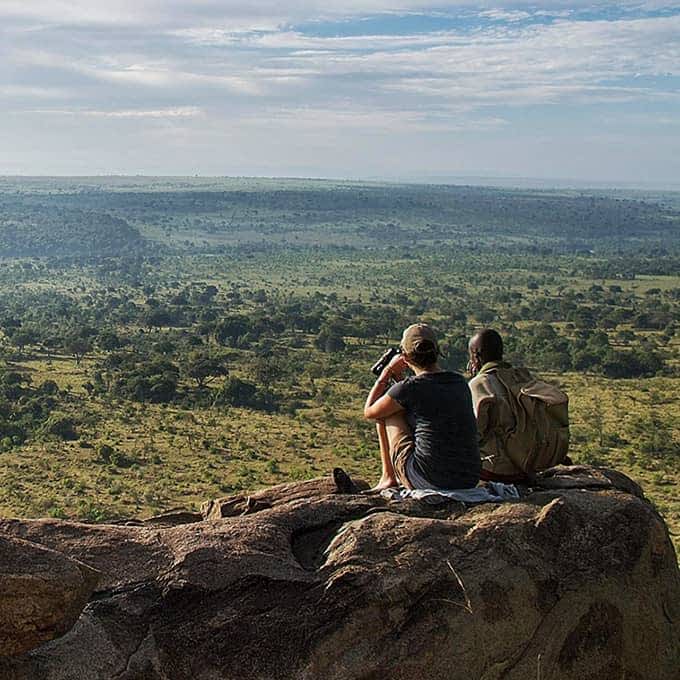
(426, 426)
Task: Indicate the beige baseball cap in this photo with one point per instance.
(419, 338)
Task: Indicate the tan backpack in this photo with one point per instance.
(532, 428)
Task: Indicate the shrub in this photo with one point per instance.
(105, 452)
(633, 364)
(241, 393)
(49, 387)
(61, 426)
(109, 455)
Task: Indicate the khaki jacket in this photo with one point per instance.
(523, 422)
(495, 419)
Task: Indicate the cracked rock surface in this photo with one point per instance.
(577, 579)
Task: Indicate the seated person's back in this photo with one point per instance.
(438, 411)
(425, 423)
(522, 421)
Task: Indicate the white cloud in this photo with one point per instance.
(358, 120)
(182, 67)
(169, 79)
(30, 92)
(538, 62)
(269, 14)
(178, 112)
(501, 65)
(79, 12)
(506, 15)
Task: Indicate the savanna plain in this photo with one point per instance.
(164, 341)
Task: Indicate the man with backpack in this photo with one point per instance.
(523, 422)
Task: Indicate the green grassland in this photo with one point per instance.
(170, 456)
(292, 288)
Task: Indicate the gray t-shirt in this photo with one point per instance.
(439, 409)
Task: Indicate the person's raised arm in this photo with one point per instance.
(378, 404)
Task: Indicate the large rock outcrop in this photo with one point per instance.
(42, 594)
(578, 579)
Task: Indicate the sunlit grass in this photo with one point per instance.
(166, 457)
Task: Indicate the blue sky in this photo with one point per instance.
(583, 90)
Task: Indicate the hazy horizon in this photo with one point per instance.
(471, 180)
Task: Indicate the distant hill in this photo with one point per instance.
(47, 231)
(93, 217)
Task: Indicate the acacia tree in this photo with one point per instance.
(204, 368)
(77, 346)
(22, 337)
(50, 342)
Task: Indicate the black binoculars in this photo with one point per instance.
(385, 359)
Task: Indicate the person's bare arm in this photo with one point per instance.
(378, 404)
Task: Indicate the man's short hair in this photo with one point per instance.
(490, 344)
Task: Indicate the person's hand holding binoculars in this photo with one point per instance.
(395, 369)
